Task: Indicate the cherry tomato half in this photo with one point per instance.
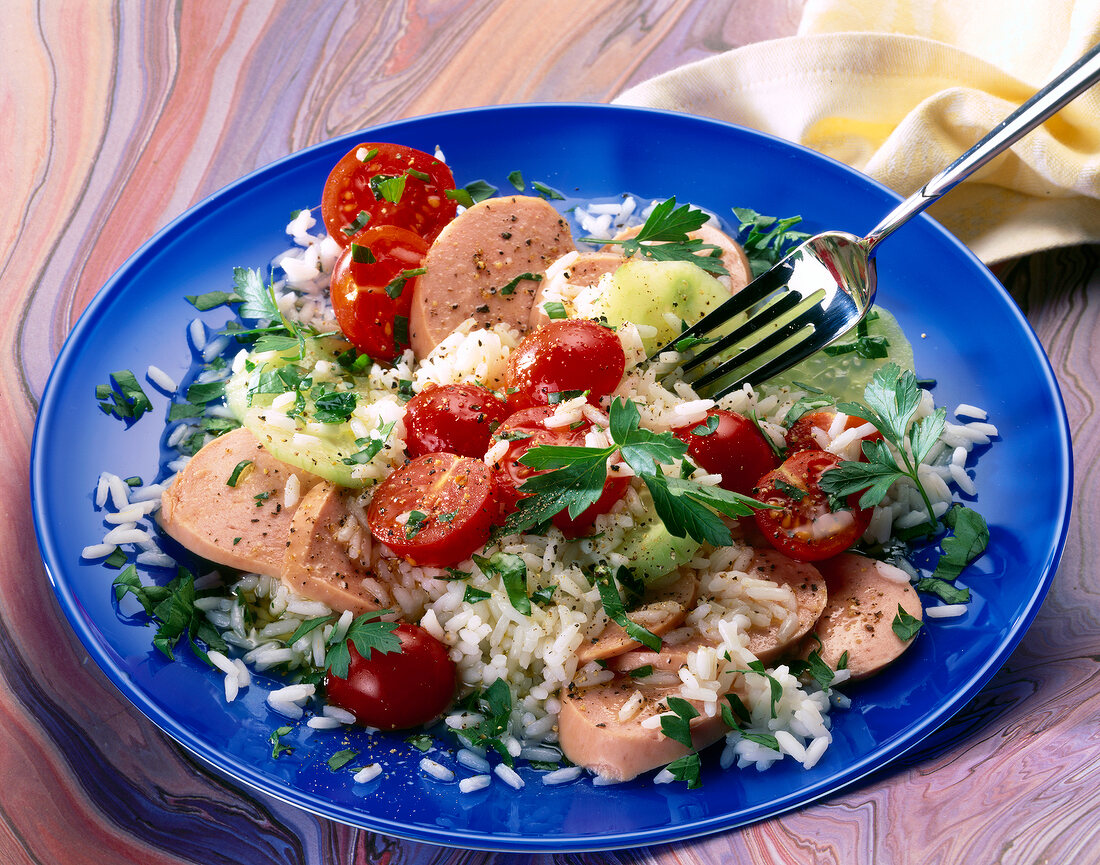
(456, 418)
(801, 436)
(394, 184)
(525, 429)
(564, 355)
(806, 528)
(396, 690)
(735, 449)
(372, 290)
(435, 510)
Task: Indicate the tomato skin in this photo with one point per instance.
(791, 530)
(800, 436)
(364, 309)
(456, 418)
(564, 355)
(455, 494)
(736, 450)
(397, 690)
(422, 208)
(509, 473)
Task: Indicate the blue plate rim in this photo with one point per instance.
(882, 755)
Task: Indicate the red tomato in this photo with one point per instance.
(564, 355)
(509, 473)
(399, 689)
(435, 510)
(370, 297)
(421, 204)
(735, 449)
(806, 528)
(456, 418)
(800, 437)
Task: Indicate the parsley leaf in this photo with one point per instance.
(513, 573)
(123, 398)
(905, 625)
(664, 237)
(472, 193)
(368, 634)
(968, 541)
(495, 704)
(613, 605)
(510, 286)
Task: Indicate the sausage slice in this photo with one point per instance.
(664, 609)
(585, 271)
(592, 735)
(471, 265)
(316, 564)
(243, 526)
(864, 595)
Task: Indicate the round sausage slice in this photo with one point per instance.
(317, 565)
(472, 267)
(864, 596)
(585, 270)
(664, 609)
(592, 733)
(244, 526)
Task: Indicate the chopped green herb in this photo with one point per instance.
(414, 524)
(397, 285)
(870, 347)
(555, 309)
(238, 470)
(968, 540)
(947, 592)
(472, 595)
(767, 239)
(544, 595)
(341, 758)
(547, 191)
(362, 254)
(495, 704)
(401, 330)
(116, 559)
(707, 427)
(905, 625)
(641, 672)
(277, 746)
(472, 193)
(789, 490)
(123, 398)
(334, 407)
(368, 634)
(510, 286)
(210, 300)
(422, 176)
(421, 741)
(516, 179)
(360, 222)
(513, 573)
(372, 446)
(204, 392)
(388, 187)
(456, 574)
(613, 605)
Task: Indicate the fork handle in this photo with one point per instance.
(1067, 86)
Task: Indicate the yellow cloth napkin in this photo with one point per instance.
(900, 89)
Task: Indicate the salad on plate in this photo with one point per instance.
(430, 479)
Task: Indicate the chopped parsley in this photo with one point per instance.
(547, 191)
(905, 625)
(495, 705)
(555, 309)
(512, 572)
(516, 179)
(367, 633)
(341, 758)
(388, 187)
(766, 239)
(472, 193)
(123, 397)
(277, 746)
(510, 286)
(397, 285)
(360, 222)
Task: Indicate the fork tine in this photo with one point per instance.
(776, 310)
(745, 299)
(808, 318)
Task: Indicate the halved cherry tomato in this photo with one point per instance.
(801, 437)
(435, 510)
(372, 292)
(456, 418)
(735, 449)
(564, 355)
(395, 185)
(396, 690)
(805, 527)
(525, 430)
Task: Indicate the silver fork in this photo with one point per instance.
(826, 286)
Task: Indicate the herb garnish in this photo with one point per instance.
(472, 193)
(664, 237)
(360, 222)
(516, 179)
(602, 578)
(555, 309)
(388, 187)
(495, 704)
(510, 286)
(512, 572)
(573, 478)
(905, 625)
(397, 285)
(768, 239)
(123, 398)
(238, 470)
(277, 746)
(367, 633)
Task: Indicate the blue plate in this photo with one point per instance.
(937, 289)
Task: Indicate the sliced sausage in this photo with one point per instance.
(767, 643)
(317, 565)
(664, 609)
(733, 255)
(243, 526)
(864, 595)
(471, 264)
(592, 734)
(585, 271)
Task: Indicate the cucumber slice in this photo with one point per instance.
(644, 292)
(291, 431)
